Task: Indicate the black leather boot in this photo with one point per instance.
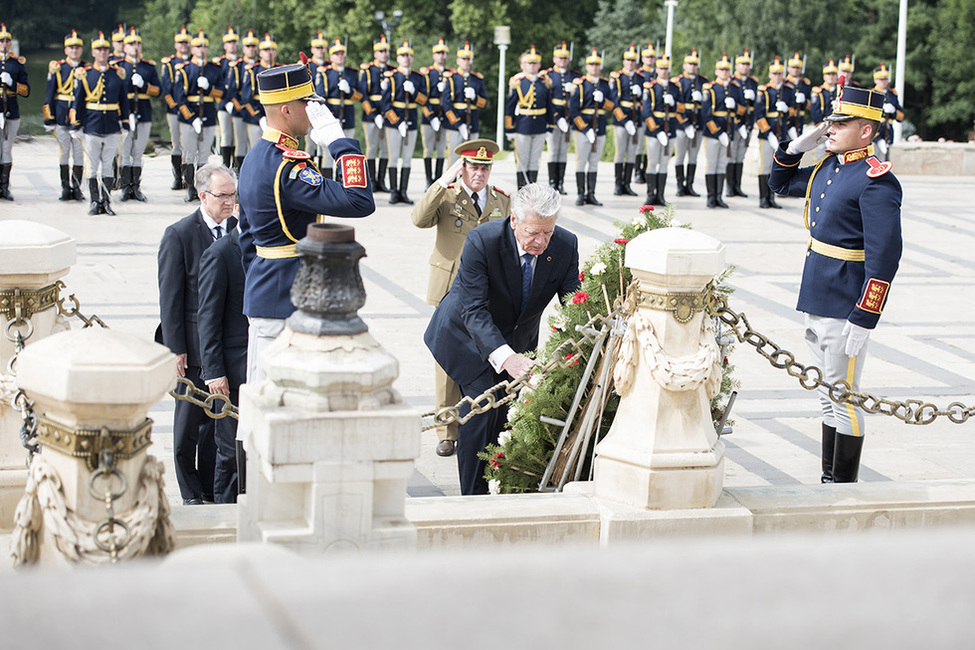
(137, 184)
(189, 171)
(106, 197)
(771, 196)
(428, 170)
(5, 182)
(66, 193)
(439, 169)
(227, 154)
(739, 170)
(679, 174)
(77, 173)
(729, 177)
(640, 170)
(661, 185)
(652, 188)
(371, 170)
(719, 190)
(846, 458)
(96, 205)
(829, 443)
(393, 192)
(581, 185)
(533, 176)
(711, 183)
(763, 192)
(591, 189)
(521, 179)
(116, 179)
(561, 172)
(238, 161)
(404, 183)
(553, 175)
(690, 180)
(627, 176)
(126, 182)
(380, 185)
(618, 171)
(177, 163)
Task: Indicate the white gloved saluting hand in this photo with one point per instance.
(809, 140)
(325, 128)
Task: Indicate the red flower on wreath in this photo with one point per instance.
(580, 297)
(495, 461)
(572, 359)
(582, 276)
(646, 208)
(621, 241)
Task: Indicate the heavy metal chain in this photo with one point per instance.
(910, 411)
(111, 535)
(206, 401)
(75, 311)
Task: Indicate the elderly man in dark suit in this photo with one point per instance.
(509, 271)
(180, 250)
(223, 346)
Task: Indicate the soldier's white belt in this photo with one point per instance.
(460, 105)
(772, 114)
(532, 111)
(196, 98)
(719, 113)
(65, 98)
(101, 107)
(591, 111)
(836, 252)
(277, 252)
(404, 105)
(626, 104)
(375, 98)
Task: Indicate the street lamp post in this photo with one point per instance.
(389, 25)
(671, 5)
(502, 38)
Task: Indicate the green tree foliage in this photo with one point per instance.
(953, 99)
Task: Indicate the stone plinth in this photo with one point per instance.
(32, 256)
(662, 450)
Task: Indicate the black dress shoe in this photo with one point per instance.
(445, 448)
(208, 498)
(195, 501)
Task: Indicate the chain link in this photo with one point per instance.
(105, 537)
(75, 311)
(206, 401)
(910, 411)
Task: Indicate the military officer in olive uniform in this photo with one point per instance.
(457, 203)
(57, 103)
(589, 104)
(562, 77)
(13, 84)
(853, 215)
(528, 115)
(181, 42)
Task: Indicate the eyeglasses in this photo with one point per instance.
(223, 197)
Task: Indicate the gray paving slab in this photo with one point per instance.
(921, 348)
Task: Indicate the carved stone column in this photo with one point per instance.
(330, 444)
(662, 450)
(33, 257)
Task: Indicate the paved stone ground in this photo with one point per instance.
(920, 349)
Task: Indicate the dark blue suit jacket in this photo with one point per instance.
(481, 312)
(222, 324)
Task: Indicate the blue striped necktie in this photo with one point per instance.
(526, 278)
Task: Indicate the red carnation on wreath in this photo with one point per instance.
(580, 297)
(582, 276)
(572, 359)
(495, 464)
(646, 208)
(622, 241)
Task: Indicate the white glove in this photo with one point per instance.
(409, 87)
(723, 139)
(202, 82)
(882, 145)
(517, 110)
(669, 100)
(464, 132)
(138, 81)
(402, 128)
(325, 128)
(749, 94)
(781, 106)
(563, 125)
(591, 136)
(384, 84)
(7, 79)
(262, 123)
(470, 94)
(378, 120)
(597, 96)
(889, 108)
(344, 86)
(773, 140)
(229, 108)
(856, 337)
(662, 139)
(792, 133)
(48, 127)
(198, 125)
(689, 132)
(636, 91)
(696, 95)
(800, 98)
(510, 137)
(74, 133)
(132, 122)
(742, 132)
(568, 86)
(729, 103)
(629, 126)
(435, 124)
(441, 85)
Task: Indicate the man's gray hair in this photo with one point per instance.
(204, 175)
(540, 200)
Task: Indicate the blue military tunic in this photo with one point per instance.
(166, 80)
(192, 101)
(101, 102)
(18, 73)
(768, 118)
(853, 214)
(250, 96)
(626, 107)
(455, 104)
(433, 79)
(821, 104)
(658, 116)
(397, 104)
(529, 109)
(60, 92)
(560, 97)
(716, 117)
(140, 98)
(748, 82)
(371, 80)
(281, 193)
(688, 87)
(585, 111)
(340, 103)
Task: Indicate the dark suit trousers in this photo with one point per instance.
(475, 434)
(225, 474)
(193, 446)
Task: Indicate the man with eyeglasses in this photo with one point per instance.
(180, 250)
(459, 201)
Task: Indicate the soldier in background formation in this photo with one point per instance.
(801, 91)
(528, 115)
(317, 61)
(181, 43)
(340, 87)
(142, 82)
(371, 78)
(589, 103)
(402, 95)
(663, 115)
(225, 108)
(742, 135)
(562, 78)
(197, 90)
(57, 103)
(253, 109)
(13, 84)
(626, 93)
(892, 112)
(465, 96)
(238, 73)
(689, 138)
(432, 132)
(772, 116)
(722, 112)
(648, 72)
(118, 46)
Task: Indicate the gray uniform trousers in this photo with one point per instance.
(397, 145)
(69, 148)
(588, 155)
(99, 153)
(134, 144)
(529, 151)
(827, 345)
(196, 146)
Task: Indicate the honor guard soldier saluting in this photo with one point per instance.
(198, 90)
(13, 84)
(225, 108)
(648, 72)
(57, 103)
(689, 138)
(101, 111)
(662, 115)
(853, 214)
(528, 115)
(181, 41)
(402, 96)
(821, 104)
(588, 105)
(340, 88)
(802, 91)
(143, 84)
(432, 131)
(558, 140)
(626, 93)
(772, 118)
(371, 78)
(251, 96)
(316, 63)
(463, 100)
(892, 112)
(741, 135)
(457, 203)
(282, 192)
(721, 111)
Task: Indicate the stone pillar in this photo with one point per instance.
(330, 444)
(92, 389)
(662, 451)
(33, 257)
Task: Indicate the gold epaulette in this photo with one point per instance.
(577, 81)
(478, 75)
(150, 62)
(79, 72)
(500, 191)
(615, 74)
(21, 59)
(364, 66)
(53, 66)
(120, 71)
(515, 80)
(545, 80)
